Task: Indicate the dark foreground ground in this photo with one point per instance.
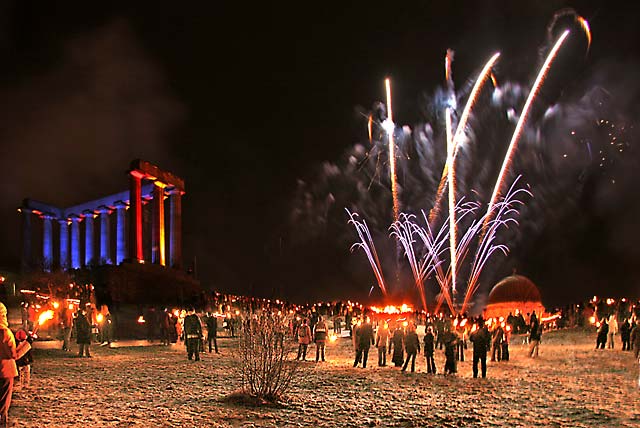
(569, 385)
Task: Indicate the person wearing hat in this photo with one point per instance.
(8, 368)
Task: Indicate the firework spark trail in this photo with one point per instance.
(587, 31)
(542, 74)
(452, 202)
(366, 244)
(506, 210)
(370, 128)
(403, 230)
(435, 247)
(389, 127)
(448, 60)
(460, 129)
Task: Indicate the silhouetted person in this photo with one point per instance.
(365, 340)
(481, 340)
(429, 342)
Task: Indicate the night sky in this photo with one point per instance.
(243, 100)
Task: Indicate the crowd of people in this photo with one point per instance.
(397, 337)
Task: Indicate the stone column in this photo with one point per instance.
(75, 241)
(105, 235)
(47, 242)
(158, 230)
(26, 239)
(88, 237)
(64, 244)
(135, 217)
(121, 245)
(175, 236)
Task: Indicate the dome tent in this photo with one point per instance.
(515, 292)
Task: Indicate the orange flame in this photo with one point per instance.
(46, 315)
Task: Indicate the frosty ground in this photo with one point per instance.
(569, 385)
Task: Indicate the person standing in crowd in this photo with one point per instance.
(337, 325)
(212, 331)
(429, 348)
(304, 338)
(165, 327)
(8, 368)
(67, 326)
(365, 340)
(320, 337)
(461, 343)
(192, 334)
(535, 334)
(625, 335)
(398, 350)
(613, 330)
(481, 340)
(505, 342)
(24, 362)
(603, 332)
(107, 328)
(450, 341)
(635, 339)
(496, 343)
(382, 341)
(412, 346)
(83, 334)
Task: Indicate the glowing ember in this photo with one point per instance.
(99, 318)
(56, 305)
(141, 320)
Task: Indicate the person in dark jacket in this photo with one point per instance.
(397, 344)
(83, 334)
(625, 335)
(365, 340)
(429, 342)
(535, 335)
(411, 346)
(496, 343)
(212, 331)
(450, 341)
(603, 331)
(481, 340)
(192, 334)
(320, 337)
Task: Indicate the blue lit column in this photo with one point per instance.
(121, 244)
(88, 237)
(47, 242)
(175, 233)
(75, 241)
(105, 235)
(64, 244)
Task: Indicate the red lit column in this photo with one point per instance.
(175, 235)
(135, 216)
(158, 230)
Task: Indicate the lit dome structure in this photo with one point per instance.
(514, 293)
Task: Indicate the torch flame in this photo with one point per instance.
(46, 315)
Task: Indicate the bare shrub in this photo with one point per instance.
(266, 358)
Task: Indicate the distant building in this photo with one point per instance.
(127, 245)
